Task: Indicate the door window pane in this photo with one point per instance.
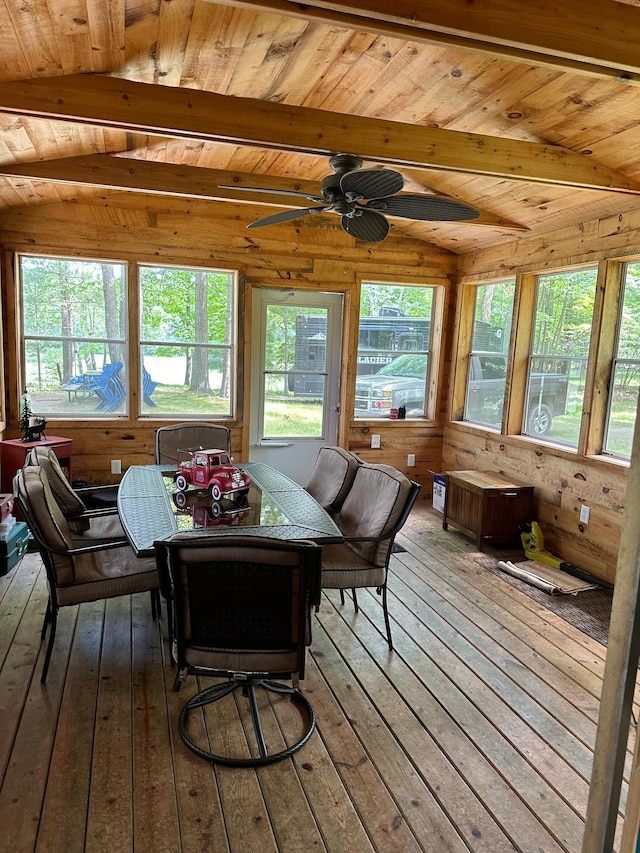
(295, 370)
(623, 400)
(487, 374)
(74, 336)
(558, 361)
(394, 341)
(187, 318)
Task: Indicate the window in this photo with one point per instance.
(74, 336)
(394, 320)
(623, 399)
(486, 376)
(187, 322)
(559, 353)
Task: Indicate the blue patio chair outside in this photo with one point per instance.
(108, 387)
(148, 387)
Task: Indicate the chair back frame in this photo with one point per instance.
(198, 434)
(241, 600)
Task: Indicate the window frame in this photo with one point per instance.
(589, 358)
(485, 353)
(434, 353)
(22, 338)
(139, 343)
(601, 360)
(131, 342)
(616, 273)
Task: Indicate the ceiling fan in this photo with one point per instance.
(362, 198)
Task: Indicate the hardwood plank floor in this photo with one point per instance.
(476, 733)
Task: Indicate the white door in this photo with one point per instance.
(295, 368)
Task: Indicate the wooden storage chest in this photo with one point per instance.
(487, 506)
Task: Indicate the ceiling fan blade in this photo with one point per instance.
(369, 226)
(285, 215)
(371, 183)
(429, 208)
(317, 198)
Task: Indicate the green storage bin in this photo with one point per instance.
(14, 547)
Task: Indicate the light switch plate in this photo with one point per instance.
(375, 441)
(585, 512)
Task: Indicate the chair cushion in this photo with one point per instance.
(108, 574)
(332, 477)
(372, 507)
(344, 568)
(51, 525)
(70, 504)
(100, 528)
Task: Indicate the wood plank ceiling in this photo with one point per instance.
(529, 114)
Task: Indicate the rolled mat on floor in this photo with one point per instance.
(552, 581)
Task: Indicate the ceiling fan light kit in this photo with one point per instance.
(362, 197)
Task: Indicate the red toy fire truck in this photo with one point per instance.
(213, 470)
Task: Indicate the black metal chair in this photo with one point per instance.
(375, 509)
(240, 608)
(197, 435)
(332, 477)
(77, 570)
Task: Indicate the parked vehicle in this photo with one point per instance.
(403, 381)
(399, 383)
(546, 394)
(213, 470)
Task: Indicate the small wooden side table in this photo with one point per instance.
(487, 506)
(13, 452)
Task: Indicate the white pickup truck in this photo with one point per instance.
(402, 383)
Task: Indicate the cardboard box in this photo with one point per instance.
(439, 491)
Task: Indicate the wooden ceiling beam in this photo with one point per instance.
(597, 39)
(120, 173)
(192, 114)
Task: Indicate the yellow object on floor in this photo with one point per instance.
(533, 543)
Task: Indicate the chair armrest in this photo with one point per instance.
(86, 549)
(369, 538)
(101, 488)
(96, 513)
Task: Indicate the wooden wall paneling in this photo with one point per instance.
(597, 326)
(587, 242)
(519, 350)
(348, 366)
(134, 367)
(13, 379)
(242, 402)
(463, 336)
(437, 359)
(3, 262)
(603, 343)
(396, 442)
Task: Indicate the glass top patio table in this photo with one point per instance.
(151, 508)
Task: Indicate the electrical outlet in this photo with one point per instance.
(375, 441)
(585, 512)
(116, 466)
(411, 460)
